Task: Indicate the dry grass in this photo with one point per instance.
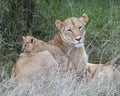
(60, 85)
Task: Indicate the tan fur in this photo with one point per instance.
(65, 39)
(101, 71)
(70, 39)
(28, 68)
(35, 57)
(71, 47)
(31, 46)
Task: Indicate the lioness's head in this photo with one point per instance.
(72, 30)
(28, 43)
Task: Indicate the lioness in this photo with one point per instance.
(31, 46)
(70, 39)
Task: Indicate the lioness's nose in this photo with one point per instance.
(78, 38)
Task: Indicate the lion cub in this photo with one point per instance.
(32, 46)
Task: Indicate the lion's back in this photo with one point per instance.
(38, 65)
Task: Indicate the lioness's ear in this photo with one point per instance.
(59, 24)
(84, 18)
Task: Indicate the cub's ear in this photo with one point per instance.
(59, 24)
(84, 18)
(32, 40)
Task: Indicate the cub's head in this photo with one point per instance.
(28, 43)
(72, 30)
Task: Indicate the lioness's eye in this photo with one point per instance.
(70, 30)
(80, 27)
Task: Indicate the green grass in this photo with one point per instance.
(102, 40)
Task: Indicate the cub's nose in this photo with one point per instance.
(78, 38)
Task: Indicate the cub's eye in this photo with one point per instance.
(70, 30)
(80, 27)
